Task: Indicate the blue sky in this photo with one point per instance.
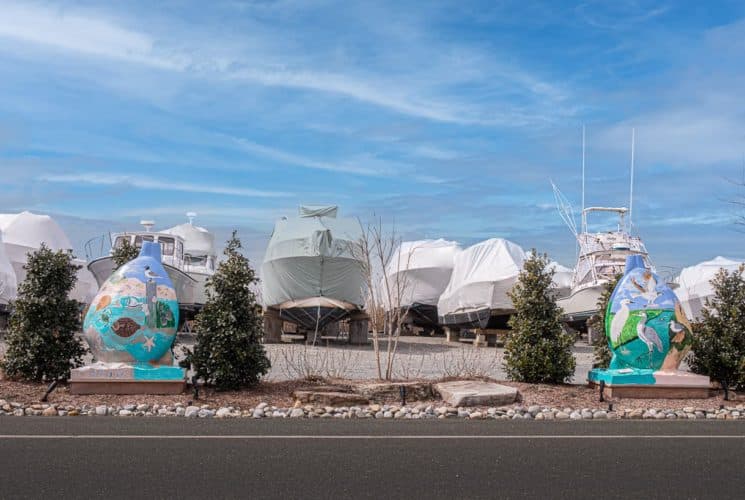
(448, 118)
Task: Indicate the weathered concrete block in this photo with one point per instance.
(476, 393)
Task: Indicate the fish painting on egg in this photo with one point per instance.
(134, 316)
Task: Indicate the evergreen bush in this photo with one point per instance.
(228, 352)
(123, 253)
(719, 338)
(600, 348)
(41, 341)
(538, 350)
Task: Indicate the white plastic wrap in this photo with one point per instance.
(695, 284)
(313, 255)
(482, 276)
(31, 230)
(8, 283)
(420, 271)
(562, 279)
(25, 232)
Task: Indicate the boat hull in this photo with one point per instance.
(581, 304)
(184, 284)
(479, 318)
(315, 312)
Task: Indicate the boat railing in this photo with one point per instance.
(97, 247)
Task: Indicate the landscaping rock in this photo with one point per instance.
(331, 398)
(475, 393)
(50, 412)
(191, 411)
(415, 391)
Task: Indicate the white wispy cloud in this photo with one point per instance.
(302, 161)
(91, 34)
(142, 183)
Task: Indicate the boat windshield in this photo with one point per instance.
(140, 238)
(167, 245)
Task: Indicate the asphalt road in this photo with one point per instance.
(178, 458)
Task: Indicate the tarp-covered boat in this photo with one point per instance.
(8, 283)
(695, 284)
(476, 295)
(24, 233)
(416, 276)
(312, 272)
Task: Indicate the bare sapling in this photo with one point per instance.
(386, 289)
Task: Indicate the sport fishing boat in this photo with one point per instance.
(600, 255)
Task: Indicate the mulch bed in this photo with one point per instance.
(279, 394)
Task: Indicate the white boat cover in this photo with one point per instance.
(695, 284)
(31, 230)
(8, 283)
(25, 232)
(482, 276)
(562, 279)
(419, 271)
(313, 255)
(197, 240)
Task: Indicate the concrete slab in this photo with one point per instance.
(476, 393)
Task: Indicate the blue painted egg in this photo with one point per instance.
(134, 316)
(643, 321)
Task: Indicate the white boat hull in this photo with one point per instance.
(582, 303)
(185, 285)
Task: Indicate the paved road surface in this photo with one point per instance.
(161, 458)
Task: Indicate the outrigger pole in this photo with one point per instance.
(631, 186)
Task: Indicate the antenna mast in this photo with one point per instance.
(631, 186)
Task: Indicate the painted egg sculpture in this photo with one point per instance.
(134, 316)
(645, 324)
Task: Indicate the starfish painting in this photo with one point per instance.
(149, 343)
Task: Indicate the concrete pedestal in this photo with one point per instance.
(480, 339)
(272, 327)
(125, 378)
(452, 334)
(650, 384)
(358, 328)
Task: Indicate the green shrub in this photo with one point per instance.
(228, 352)
(123, 253)
(719, 338)
(41, 341)
(538, 350)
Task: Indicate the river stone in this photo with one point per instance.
(476, 393)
